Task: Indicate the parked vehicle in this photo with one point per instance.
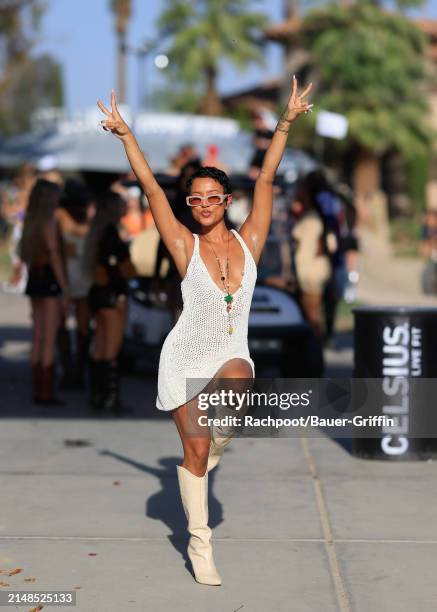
(281, 342)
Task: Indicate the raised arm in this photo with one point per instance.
(256, 227)
(174, 234)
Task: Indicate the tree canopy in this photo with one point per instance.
(371, 67)
(203, 33)
(26, 82)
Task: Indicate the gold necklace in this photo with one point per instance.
(229, 298)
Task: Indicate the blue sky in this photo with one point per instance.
(80, 34)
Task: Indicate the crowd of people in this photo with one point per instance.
(71, 253)
(71, 248)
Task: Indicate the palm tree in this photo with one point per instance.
(371, 67)
(27, 80)
(122, 10)
(205, 32)
(295, 54)
(291, 8)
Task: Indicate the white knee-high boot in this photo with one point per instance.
(194, 495)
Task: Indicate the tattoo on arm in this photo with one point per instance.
(284, 123)
(283, 127)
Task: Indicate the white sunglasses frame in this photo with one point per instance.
(203, 198)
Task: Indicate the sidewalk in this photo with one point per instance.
(298, 525)
(386, 279)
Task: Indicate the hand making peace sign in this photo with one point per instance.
(114, 122)
(296, 103)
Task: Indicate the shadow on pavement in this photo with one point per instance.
(166, 505)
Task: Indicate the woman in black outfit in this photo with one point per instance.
(41, 249)
(108, 262)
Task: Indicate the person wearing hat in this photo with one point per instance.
(47, 169)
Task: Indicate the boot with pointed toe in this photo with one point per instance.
(194, 495)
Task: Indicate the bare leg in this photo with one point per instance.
(51, 315)
(37, 330)
(99, 336)
(51, 323)
(312, 304)
(37, 342)
(82, 315)
(195, 438)
(109, 331)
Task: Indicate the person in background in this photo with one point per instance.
(312, 262)
(138, 217)
(240, 209)
(13, 210)
(212, 158)
(47, 169)
(74, 217)
(107, 261)
(350, 242)
(41, 250)
(186, 154)
(331, 207)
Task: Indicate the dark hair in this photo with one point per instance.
(189, 168)
(213, 173)
(43, 200)
(109, 210)
(76, 199)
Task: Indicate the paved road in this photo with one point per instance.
(299, 524)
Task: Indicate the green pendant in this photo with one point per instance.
(229, 298)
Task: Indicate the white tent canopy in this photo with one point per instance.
(79, 143)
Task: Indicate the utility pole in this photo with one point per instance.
(122, 11)
(291, 9)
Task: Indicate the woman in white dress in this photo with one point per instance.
(209, 341)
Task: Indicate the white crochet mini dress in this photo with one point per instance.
(200, 342)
